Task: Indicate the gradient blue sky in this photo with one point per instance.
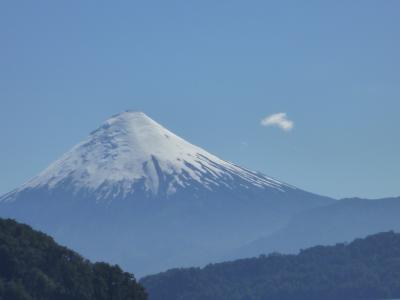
(210, 71)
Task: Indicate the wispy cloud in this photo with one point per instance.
(280, 120)
(244, 144)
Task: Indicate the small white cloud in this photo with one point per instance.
(280, 120)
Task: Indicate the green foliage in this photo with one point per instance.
(364, 269)
(34, 267)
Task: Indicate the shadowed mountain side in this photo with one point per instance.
(149, 235)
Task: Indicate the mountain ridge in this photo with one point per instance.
(341, 221)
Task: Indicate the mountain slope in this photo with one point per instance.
(33, 266)
(135, 194)
(341, 221)
(364, 269)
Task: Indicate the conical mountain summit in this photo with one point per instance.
(132, 153)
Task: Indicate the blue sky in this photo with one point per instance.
(210, 71)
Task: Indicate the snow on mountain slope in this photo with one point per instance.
(129, 148)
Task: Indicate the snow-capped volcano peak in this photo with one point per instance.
(131, 151)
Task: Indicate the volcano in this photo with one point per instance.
(136, 194)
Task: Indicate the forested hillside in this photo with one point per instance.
(364, 269)
(33, 267)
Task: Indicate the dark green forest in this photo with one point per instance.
(364, 269)
(33, 267)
